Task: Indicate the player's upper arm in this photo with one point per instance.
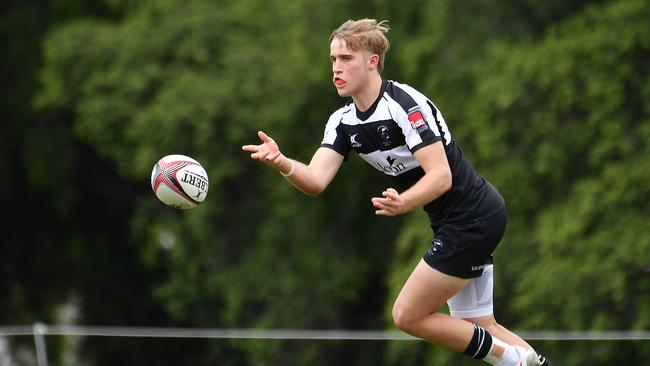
(433, 160)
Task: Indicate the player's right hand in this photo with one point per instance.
(267, 152)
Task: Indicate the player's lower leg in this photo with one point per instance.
(495, 351)
(463, 337)
(426, 290)
(490, 324)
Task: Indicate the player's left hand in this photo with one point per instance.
(390, 204)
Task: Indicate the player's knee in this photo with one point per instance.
(404, 319)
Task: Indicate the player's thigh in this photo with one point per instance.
(475, 299)
(426, 290)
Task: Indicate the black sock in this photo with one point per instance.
(480, 344)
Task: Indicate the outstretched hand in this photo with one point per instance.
(390, 204)
(267, 152)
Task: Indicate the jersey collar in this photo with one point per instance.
(366, 114)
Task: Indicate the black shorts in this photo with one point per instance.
(463, 250)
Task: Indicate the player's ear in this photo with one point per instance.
(373, 60)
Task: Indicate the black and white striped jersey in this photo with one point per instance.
(401, 121)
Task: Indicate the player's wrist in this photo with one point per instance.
(288, 171)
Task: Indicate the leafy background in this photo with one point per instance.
(548, 100)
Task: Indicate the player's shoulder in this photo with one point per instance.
(404, 95)
(339, 114)
(398, 84)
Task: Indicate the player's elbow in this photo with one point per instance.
(310, 187)
(313, 190)
(311, 193)
(313, 182)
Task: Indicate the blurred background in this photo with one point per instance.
(549, 100)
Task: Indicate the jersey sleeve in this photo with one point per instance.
(418, 128)
(416, 116)
(418, 124)
(335, 137)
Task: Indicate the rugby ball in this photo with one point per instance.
(179, 181)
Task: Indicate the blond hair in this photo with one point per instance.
(365, 34)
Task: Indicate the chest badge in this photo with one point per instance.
(384, 135)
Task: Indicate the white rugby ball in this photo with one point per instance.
(179, 181)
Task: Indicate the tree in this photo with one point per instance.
(124, 83)
(560, 127)
(202, 84)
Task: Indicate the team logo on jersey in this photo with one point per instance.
(353, 141)
(384, 135)
(417, 120)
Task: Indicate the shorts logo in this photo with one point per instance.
(478, 268)
(435, 247)
(353, 141)
(417, 120)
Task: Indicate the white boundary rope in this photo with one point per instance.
(292, 334)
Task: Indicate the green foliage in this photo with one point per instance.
(548, 100)
(202, 85)
(560, 126)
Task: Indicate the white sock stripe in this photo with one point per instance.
(481, 338)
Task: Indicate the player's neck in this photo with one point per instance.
(368, 94)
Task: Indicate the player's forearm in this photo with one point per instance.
(431, 186)
(302, 177)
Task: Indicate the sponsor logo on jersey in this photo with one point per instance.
(417, 120)
(392, 167)
(353, 141)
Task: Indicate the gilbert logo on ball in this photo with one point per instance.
(179, 181)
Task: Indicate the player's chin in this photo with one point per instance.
(343, 92)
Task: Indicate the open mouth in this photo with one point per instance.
(339, 82)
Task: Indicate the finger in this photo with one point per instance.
(260, 154)
(264, 137)
(384, 213)
(383, 204)
(273, 156)
(379, 199)
(250, 147)
(388, 202)
(263, 155)
(390, 193)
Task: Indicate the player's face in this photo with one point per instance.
(350, 68)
